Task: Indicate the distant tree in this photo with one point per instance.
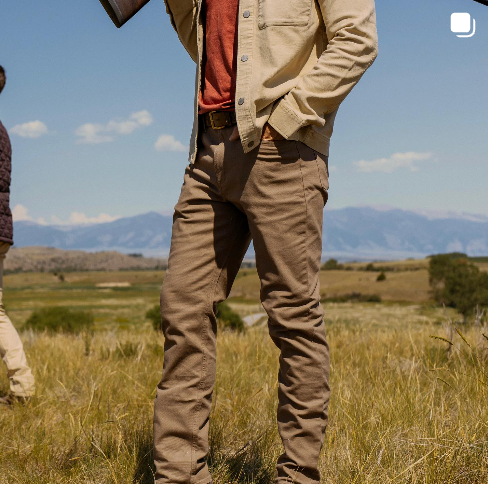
(381, 277)
(332, 265)
(450, 255)
(458, 283)
(370, 267)
(465, 288)
(483, 289)
(439, 267)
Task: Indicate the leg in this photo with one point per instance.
(285, 199)
(209, 239)
(11, 349)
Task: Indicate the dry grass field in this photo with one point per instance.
(407, 285)
(400, 412)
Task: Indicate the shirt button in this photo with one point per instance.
(251, 143)
(246, 14)
(244, 58)
(241, 101)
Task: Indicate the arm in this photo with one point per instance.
(183, 16)
(352, 48)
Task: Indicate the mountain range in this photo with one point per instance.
(352, 233)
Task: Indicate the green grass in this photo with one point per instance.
(400, 411)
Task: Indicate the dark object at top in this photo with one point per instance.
(6, 227)
(122, 10)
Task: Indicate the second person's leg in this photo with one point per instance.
(11, 348)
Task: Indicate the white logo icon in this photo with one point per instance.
(461, 24)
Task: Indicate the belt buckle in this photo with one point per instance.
(210, 115)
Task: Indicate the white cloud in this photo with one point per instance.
(144, 118)
(396, 161)
(167, 142)
(93, 133)
(79, 218)
(21, 214)
(32, 129)
(89, 133)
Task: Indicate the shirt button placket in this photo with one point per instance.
(244, 58)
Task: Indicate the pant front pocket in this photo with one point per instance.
(322, 162)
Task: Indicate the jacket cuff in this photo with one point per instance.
(284, 119)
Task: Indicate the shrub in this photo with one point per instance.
(332, 265)
(60, 320)
(439, 267)
(229, 319)
(371, 267)
(458, 283)
(450, 255)
(381, 277)
(353, 297)
(154, 314)
(376, 298)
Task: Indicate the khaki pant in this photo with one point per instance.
(276, 195)
(11, 349)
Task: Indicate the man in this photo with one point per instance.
(270, 77)
(11, 350)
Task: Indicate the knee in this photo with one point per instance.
(289, 307)
(295, 319)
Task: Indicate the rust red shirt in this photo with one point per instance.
(220, 55)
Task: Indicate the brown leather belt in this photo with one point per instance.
(217, 119)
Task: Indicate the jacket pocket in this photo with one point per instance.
(284, 12)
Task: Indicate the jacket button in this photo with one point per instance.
(244, 58)
(241, 101)
(246, 14)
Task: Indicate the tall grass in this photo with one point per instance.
(401, 411)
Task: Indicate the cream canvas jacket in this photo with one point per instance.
(297, 60)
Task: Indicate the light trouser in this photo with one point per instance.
(276, 195)
(11, 349)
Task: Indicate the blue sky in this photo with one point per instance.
(413, 134)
